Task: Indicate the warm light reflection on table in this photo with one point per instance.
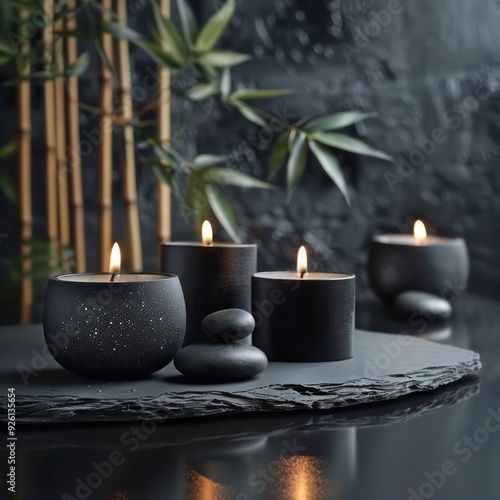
(302, 478)
(199, 487)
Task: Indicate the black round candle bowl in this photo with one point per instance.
(303, 320)
(114, 330)
(213, 277)
(397, 264)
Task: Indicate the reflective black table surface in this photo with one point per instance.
(443, 444)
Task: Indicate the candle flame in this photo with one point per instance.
(419, 231)
(206, 233)
(302, 261)
(115, 260)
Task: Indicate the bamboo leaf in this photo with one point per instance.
(215, 26)
(225, 83)
(103, 56)
(120, 31)
(229, 177)
(331, 166)
(6, 48)
(278, 154)
(203, 213)
(209, 73)
(249, 112)
(161, 57)
(80, 66)
(291, 138)
(208, 160)
(8, 149)
(168, 156)
(222, 58)
(188, 22)
(171, 38)
(336, 120)
(347, 143)
(166, 175)
(202, 91)
(223, 211)
(296, 163)
(195, 198)
(7, 186)
(246, 94)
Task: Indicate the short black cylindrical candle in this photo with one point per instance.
(122, 329)
(309, 318)
(213, 276)
(434, 264)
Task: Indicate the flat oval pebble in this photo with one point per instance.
(223, 362)
(427, 305)
(228, 325)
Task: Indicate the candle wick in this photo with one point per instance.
(113, 276)
(302, 274)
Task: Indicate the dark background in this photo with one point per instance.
(432, 70)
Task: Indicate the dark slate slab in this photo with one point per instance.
(385, 366)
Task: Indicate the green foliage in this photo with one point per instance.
(42, 262)
(204, 179)
(190, 28)
(331, 166)
(214, 28)
(199, 185)
(322, 144)
(223, 211)
(347, 143)
(296, 162)
(336, 120)
(7, 187)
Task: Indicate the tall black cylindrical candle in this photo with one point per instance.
(213, 277)
(303, 318)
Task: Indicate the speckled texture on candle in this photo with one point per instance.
(114, 330)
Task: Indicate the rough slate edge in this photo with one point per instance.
(389, 413)
(61, 408)
(271, 398)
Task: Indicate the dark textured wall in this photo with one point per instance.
(430, 69)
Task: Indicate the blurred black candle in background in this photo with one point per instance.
(417, 262)
(214, 276)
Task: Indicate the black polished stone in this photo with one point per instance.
(424, 304)
(213, 278)
(228, 325)
(220, 362)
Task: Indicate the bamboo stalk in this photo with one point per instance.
(50, 136)
(62, 160)
(163, 209)
(24, 184)
(105, 151)
(129, 187)
(73, 142)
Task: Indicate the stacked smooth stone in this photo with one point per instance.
(227, 359)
